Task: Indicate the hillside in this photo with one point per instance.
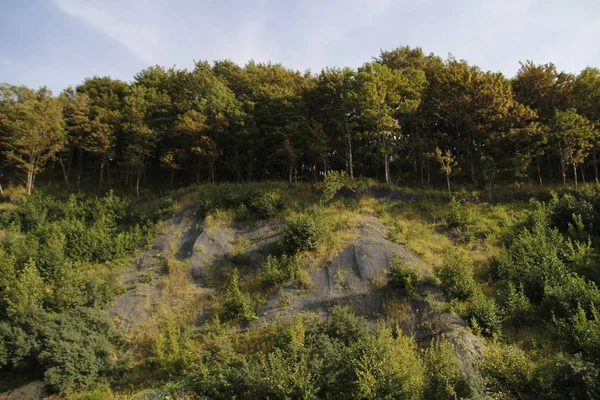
(347, 289)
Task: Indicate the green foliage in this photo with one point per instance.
(401, 275)
(460, 220)
(77, 349)
(444, 377)
(582, 332)
(508, 370)
(306, 231)
(333, 182)
(516, 304)
(236, 304)
(456, 275)
(387, 368)
(484, 316)
(266, 204)
(276, 270)
(171, 347)
(344, 325)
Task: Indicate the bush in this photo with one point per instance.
(516, 304)
(445, 380)
(305, 232)
(508, 370)
(236, 304)
(402, 276)
(333, 182)
(456, 276)
(386, 367)
(266, 204)
(484, 316)
(276, 270)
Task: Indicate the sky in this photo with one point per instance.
(58, 43)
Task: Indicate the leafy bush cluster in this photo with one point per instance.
(277, 270)
(75, 348)
(306, 231)
(539, 270)
(245, 200)
(342, 357)
(49, 303)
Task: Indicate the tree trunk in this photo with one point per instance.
(101, 173)
(80, 162)
(348, 145)
(595, 165)
(198, 171)
(108, 172)
(448, 183)
(66, 176)
(563, 172)
(137, 185)
(29, 182)
(51, 172)
(386, 163)
(575, 174)
(172, 178)
(582, 174)
(539, 170)
(212, 172)
(1, 190)
(290, 173)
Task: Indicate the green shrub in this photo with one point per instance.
(305, 232)
(236, 304)
(266, 204)
(344, 325)
(516, 304)
(333, 182)
(401, 275)
(170, 350)
(508, 370)
(444, 377)
(386, 367)
(484, 315)
(276, 270)
(456, 275)
(460, 220)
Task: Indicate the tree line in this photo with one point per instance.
(404, 115)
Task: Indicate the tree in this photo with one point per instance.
(332, 102)
(35, 130)
(586, 97)
(447, 162)
(141, 139)
(572, 136)
(106, 108)
(384, 96)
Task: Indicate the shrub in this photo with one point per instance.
(343, 324)
(456, 275)
(170, 348)
(508, 370)
(386, 367)
(305, 232)
(333, 182)
(266, 204)
(484, 315)
(77, 349)
(236, 304)
(515, 303)
(402, 276)
(276, 270)
(445, 380)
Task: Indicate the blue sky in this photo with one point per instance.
(60, 42)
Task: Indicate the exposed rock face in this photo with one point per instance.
(31, 391)
(142, 278)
